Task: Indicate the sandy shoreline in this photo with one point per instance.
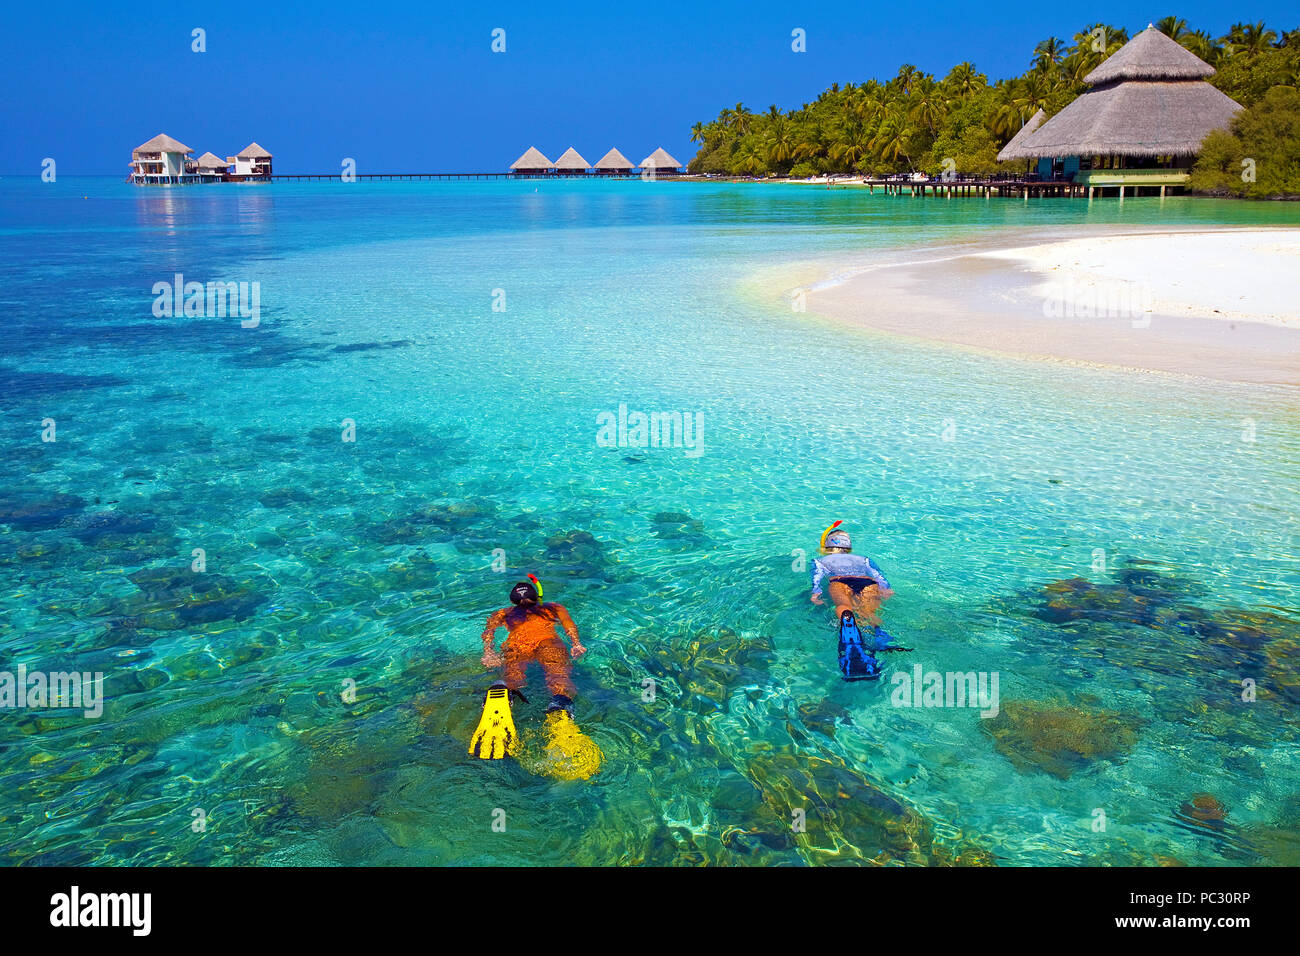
(1215, 303)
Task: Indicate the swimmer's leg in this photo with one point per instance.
(514, 673)
(557, 666)
(857, 660)
(866, 604)
(842, 596)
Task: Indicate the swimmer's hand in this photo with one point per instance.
(576, 650)
(886, 594)
(492, 659)
(816, 598)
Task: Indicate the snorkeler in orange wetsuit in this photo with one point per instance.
(569, 754)
(532, 637)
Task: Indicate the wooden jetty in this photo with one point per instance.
(1006, 188)
(1013, 187)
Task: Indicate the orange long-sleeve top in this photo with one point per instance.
(527, 627)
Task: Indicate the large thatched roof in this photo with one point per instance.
(162, 143)
(1149, 99)
(532, 159)
(1150, 56)
(253, 151)
(1134, 118)
(613, 160)
(572, 159)
(660, 159)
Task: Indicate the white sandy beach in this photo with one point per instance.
(1216, 303)
(1239, 275)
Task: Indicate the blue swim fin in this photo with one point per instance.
(882, 640)
(857, 660)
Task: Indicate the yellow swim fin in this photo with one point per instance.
(570, 754)
(495, 735)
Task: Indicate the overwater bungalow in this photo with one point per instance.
(660, 162)
(161, 162)
(614, 163)
(212, 168)
(532, 163)
(571, 163)
(1140, 125)
(251, 162)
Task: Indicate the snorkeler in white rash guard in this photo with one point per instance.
(858, 588)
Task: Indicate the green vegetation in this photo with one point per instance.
(917, 122)
(1259, 156)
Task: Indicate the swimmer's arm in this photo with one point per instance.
(570, 629)
(877, 576)
(818, 572)
(490, 656)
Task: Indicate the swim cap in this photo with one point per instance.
(838, 539)
(521, 592)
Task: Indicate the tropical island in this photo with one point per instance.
(962, 124)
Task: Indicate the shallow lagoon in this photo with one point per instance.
(1106, 542)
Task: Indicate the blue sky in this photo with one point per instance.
(416, 87)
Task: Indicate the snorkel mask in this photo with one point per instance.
(835, 539)
(526, 591)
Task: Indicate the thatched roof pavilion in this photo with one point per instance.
(209, 164)
(532, 162)
(1149, 99)
(162, 161)
(613, 162)
(571, 161)
(660, 160)
(252, 162)
(162, 143)
(1151, 55)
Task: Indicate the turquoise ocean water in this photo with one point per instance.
(1107, 543)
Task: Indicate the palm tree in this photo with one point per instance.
(1078, 64)
(1249, 39)
(928, 106)
(1006, 119)
(737, 119)
(697, 133)
(1034, 92)
(1203, 45)
(780, 140)
(1099, 40)
(1172, 27)
(963, 81)
(907, 75)
(748, 159)
(892, 137)
(808, 142)
(1049, 53)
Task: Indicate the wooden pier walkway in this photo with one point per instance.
(1007, 188)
